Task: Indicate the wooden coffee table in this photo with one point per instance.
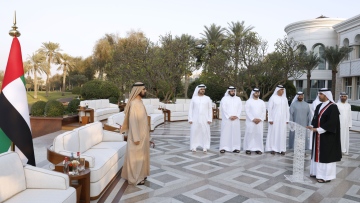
(83, 180)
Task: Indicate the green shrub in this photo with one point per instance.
(113, 100)
(97, 89)
(54, 108)
(76, 90)
(38, 108)
(73, 105)
(355, 108)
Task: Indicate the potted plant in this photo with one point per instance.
(46, 118)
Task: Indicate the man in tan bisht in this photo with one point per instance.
(137, 158)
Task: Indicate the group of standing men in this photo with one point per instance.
(323, 121)
(327, 144)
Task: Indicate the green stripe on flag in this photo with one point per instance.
(23, 80)
(5, 142)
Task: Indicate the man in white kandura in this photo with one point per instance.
(231, 106)
(255, 115)
(345, 121)
(300, 113)
(278, 116)
(200, 118)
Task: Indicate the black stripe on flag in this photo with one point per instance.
(16, 128)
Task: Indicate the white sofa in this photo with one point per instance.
(102, 108)
(355, 116)
(29, 184)
(113, 121)
(156, 116)
(104, 150)
(178, 111)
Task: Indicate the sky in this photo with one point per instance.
(77, 24)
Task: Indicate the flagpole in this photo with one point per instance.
(14, 33)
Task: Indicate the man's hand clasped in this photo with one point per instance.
(256, 120)
(233, 118)
(311, 128)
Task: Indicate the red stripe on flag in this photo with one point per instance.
(14, 67)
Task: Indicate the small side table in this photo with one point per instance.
(83, 180)
(90, 111)
(166, 112)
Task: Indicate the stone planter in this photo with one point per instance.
(45, 125)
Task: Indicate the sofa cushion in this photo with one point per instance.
(116, 118)
(179, 107)
(170, 107)
(105, 103)
(149, 109)
(92, 103)
(90, 135)
(45, 195)
(186, 107)
(146, 101)
(71, 141)
(105, 159)
(354, 115)
(12, 176)
(183, 113)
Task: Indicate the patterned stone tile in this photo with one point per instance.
(202, 168)
(210, 193)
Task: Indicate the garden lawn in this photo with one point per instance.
(52, 95)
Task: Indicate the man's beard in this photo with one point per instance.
(343, 100)
(232, 94)
(300, 99)
(255, 96)
(143, 95)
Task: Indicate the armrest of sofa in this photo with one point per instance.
(109, 136)
(43, 178)
(157, 111)
(113, 105)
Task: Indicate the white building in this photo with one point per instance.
(349, 70)
(315, 35)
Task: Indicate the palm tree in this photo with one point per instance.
(309, 61)
(334, 57)
(236, 32)
(66, 64)
(35, 64)
(52, 52)
(214, 37)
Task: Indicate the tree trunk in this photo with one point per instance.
(35, 85)
(47, 85)
(308, 84)
(64, 77)
(333, 82)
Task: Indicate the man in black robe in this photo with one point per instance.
(326, 150)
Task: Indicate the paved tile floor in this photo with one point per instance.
(179, 175)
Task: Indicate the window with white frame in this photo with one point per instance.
(319, 50)
(348, 87)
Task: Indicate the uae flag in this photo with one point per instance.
(14, 111)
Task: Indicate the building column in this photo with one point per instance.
(339, 86)
(353, 88)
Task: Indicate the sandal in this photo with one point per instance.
(323, 181)
(222, 151)
(258, 152)
(236, 151)
(193, 150)
(312, 176)
(282, 153)
(248, 152)
(272, 152)
(145, 178)
(142, 182)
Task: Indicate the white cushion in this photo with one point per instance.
(105, 158)
(98, 103)
(12, 176)
(149, 109)
(146, 101)
(116, 118)
(105, 103)
(179, 113)
(45, 195)
(180, 101)
(71, 141)
(170, 107)
(155, 102)
(90, 136)
(186, 107)
(92, 104)
(179, 107)
(43, 178)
